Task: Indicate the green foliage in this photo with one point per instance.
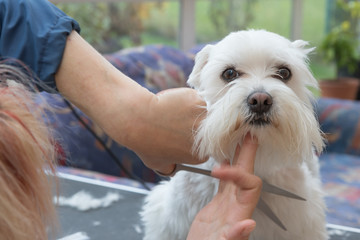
(231, 15)
(93, 18)
(341, 44)
(110, 26)
(163, 24)
(273, 15)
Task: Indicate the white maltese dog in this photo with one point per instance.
(253, 81)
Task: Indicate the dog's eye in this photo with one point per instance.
(230, 74)
(283, 74)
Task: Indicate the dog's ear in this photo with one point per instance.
(301, 45)
(200, 61)
(303, 51)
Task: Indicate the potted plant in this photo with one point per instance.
(341, 46)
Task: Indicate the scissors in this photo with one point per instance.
(266, 187)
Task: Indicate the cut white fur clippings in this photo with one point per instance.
(287, 131)
(137, 228)
(76, 236)
(84, 201)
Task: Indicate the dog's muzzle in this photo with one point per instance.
(259, 103)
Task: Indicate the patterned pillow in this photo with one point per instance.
(155, 67)
(340, 121)
(340, 175)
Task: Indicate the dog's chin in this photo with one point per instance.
(259, 121)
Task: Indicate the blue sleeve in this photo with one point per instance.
(35, 32)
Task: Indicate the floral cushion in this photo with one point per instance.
(340, 121)
(341, 182)
(340, 161)
(155, 67)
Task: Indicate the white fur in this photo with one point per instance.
(285, 156)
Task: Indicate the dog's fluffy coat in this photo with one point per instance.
(288, 135)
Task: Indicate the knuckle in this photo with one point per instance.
(258, 182)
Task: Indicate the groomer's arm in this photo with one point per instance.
(159, 128)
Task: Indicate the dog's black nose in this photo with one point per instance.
(259, 102)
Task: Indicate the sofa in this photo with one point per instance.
(340, 161)
(159, 67)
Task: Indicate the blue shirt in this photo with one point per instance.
(35, 32)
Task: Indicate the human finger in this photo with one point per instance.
(239, 176)
(245, 155)
(241, 230)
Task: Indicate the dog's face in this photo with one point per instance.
(255, 81)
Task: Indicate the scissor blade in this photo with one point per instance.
(267, 187)
(262, 206)
(180, 167)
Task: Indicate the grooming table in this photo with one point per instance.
(121, 219)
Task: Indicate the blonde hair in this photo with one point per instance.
(26, 152)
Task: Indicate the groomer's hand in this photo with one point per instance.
(167, 129)
(228, 215)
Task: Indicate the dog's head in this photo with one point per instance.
(255, 81)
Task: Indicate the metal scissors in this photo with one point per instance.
(266, 187)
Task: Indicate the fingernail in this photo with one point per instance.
(214, 171)
(250, 138)
(217, 168)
